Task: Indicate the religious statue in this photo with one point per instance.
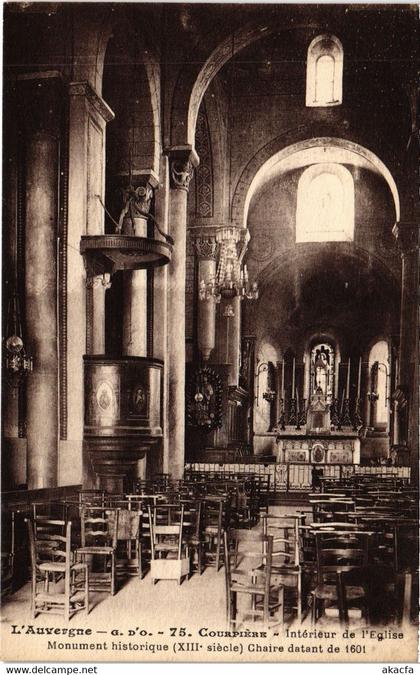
(136, 205)
(322, 370)
(204, 404)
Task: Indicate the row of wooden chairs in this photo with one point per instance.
(352, 578)
(173, 532)
(259, 565)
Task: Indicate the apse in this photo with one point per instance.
(321, 247)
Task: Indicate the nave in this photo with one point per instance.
(210, 312)
(342, 558)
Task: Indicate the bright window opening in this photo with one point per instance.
(325, 204)
(324, 74)
(378, 384)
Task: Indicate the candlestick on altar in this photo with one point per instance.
(297, 411)
(342, 403)
(293, 376)
(348, 380)
(282, 379)
(359, 377)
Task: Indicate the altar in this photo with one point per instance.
(333, 448)
(319, 437)
(300, 448)
(318, 432)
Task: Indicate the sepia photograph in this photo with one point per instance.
(210, 333)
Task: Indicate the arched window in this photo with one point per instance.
(324, 72)
(322, 370)
(378, 385)
(325, 204)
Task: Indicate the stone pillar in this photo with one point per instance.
(230, 262)
(182, 162)
(155, 462)
(407, 236)
(41, 93)
(95, 312)
(134, 340)
(135, 282)
(206, 249)
(278, 386)
(84, 290)
(234, 346)
(14, 447)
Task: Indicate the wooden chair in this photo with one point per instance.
(91, 497)
(383, 590)
(46, 510)
(245, 512)
(339, 552)
(326, 509)
(59, 585)
(7, 553)
(48, 531)
(406, 565)
(263, 482)
(193, 531)
(141, 503)
(161, 481)
(99, 528)
(286, 557)
(128, 561)
(169, 552)
(406, 544)
(215, 521)
(248, 566)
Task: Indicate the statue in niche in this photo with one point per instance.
(204, 400)
(322, 370)
(322, 388)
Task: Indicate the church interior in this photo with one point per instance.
(210, 273)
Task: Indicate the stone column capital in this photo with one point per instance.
(407, 236)
(98, 280)
(205, 245)
(183, 160)
(84, 89)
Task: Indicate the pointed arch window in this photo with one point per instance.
(325, 204)
(324, 73)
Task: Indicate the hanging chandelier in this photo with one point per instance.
(16, 362)
(231, 279)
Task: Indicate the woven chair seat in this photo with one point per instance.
(52, 567)
(101, 550)
(329, 592)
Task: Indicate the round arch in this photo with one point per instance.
(147, 120)
(91, 40)
(264, 162)
(196, 77)
(91, 37)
